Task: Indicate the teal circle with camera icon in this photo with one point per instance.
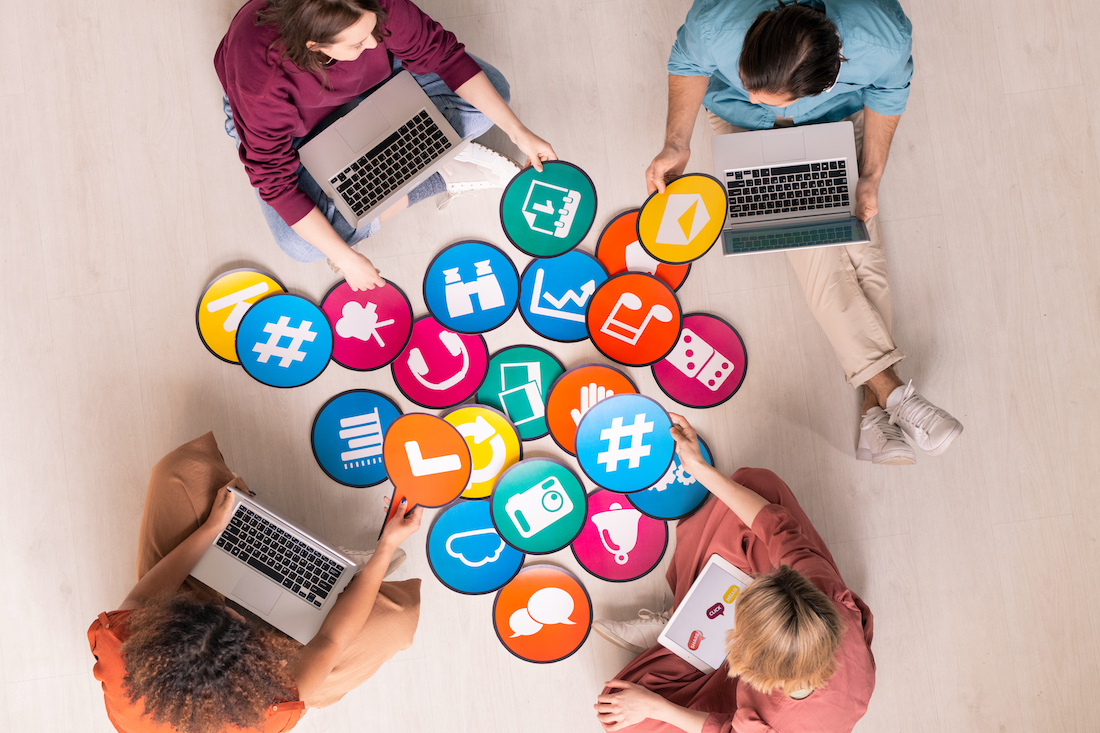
(539, 506)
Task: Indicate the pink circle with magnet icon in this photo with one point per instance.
(618, 543)
(370, 327)
(706, 366)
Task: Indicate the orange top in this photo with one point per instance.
(105, 636)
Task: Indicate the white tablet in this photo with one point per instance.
(697, 631)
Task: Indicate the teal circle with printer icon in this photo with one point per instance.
(547, 214)
(539, 506)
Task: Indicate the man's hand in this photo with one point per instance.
(360, 272)
(866, 198)
(537, 150)
(629, 705)
(667, 166)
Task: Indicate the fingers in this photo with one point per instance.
(618, 684)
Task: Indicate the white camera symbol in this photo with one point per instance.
(539, 506)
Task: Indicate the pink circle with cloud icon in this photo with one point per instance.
(707, 365)
(618, 542)
(370, 327)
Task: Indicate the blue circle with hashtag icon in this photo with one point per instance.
(284, 341)
(467, 554)
(347, 436)
(554, 294)
(471, 287)
(623, 443)
(677, 494)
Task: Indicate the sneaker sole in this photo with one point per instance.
(598, 628)
(946, 442)
(886, 459)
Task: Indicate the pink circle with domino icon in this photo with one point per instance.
(370, 327)
(706, 366)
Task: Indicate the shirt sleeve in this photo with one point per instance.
(424, 46)
(744, 720)
(889, 93)
(788, 545)
(691, 51)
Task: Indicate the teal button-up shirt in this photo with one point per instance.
(877, 40)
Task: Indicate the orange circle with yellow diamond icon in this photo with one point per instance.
(684, 222)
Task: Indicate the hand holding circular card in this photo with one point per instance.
(708, 364)
(284, 341)
(634, 319)
(427, 460)
(544, 615)
(370, 327)
(347, 436)
(547, 214)
(677, 495)
(493, 442)
(618, 542)
(223, 304)
(466, 553)
(471, 287)
(620, 251)
(440, 368)
(518, 382)
(684, 222)
(575, 393)
(554, 294)
(539, 506)
(624, 444)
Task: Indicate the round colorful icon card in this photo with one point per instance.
(634, 319)
(623, 443)
(370, 327)
(547, 214)
(440, 368)
(471, 287)
(493, 442)
(223, 304)
(707, 365)
(684, 222)
(554, 294)
(347, 436)
(677, 495)
(539, 506)
(518, 382)
(284, 341)
(427, 460)
(620, 251)
(618, 542)
(577, 391)
(543, 615)
(466, 553)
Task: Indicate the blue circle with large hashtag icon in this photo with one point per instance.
(347, 436)
(471, 287)
(284, 341)
(623, 443)
(467, 554)
(554, 294)
(677, 494)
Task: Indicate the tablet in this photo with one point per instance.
(697, 630)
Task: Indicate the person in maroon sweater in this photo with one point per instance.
(286, 65)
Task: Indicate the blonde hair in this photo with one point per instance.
(786, 633)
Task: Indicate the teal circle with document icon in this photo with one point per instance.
(547, 214)
(517, 384)
(466, 553)
(677, 495)
(347, 436)
(539, 506)
(471, 287)
(554, 294)
(623, 443)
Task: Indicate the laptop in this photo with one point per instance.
(789, 188)
(387, 145)
(276, 570)
(697, 630)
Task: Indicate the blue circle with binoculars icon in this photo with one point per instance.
(471, 287)
(467, 554)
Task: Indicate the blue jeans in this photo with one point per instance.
(463, 116)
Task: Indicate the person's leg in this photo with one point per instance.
(466, 119)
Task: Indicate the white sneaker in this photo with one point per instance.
(361, 557)
(929, 427)
(882, 442)
(477, 168)
(635, 636)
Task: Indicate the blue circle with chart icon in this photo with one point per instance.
(347, 436)
(466, 553)
(471, 287)
(677, 494)
(554, 294)
(623, 443)
(284, 341)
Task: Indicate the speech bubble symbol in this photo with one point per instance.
(522, 624)
(731, 594)
(715, 611)
(551, 606)
(695, 640)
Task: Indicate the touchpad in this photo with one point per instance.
(256, 592)
(361, 126)
(784, 146)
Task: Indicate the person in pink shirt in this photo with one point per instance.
(287, 65)
(799, 657)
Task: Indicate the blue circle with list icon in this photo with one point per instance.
(677, 495)
(466, 553)
(623, 443)
(347, 436)
(554, 294)
(471, 287)
(284, 341)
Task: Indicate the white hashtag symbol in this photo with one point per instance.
(281, 330)
(614, 436)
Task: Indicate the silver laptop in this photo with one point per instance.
(281, 573)
(789, 188)
(379, 151)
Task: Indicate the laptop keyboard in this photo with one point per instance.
(390, 164)
(764, 242)
(280, 556)
(812, 186)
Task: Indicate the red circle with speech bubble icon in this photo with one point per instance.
(620, 251)
(544, 615)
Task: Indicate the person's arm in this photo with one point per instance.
(168, 574)
(480, 92)
(878, 133)
(630, 704)
(685, 96)
(359, 271)
(350, 611)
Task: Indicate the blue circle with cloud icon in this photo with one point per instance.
(471, 287)
(466, 553)
(554, 294)
(347, 436)
(678, 494)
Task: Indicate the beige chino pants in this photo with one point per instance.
(847, 288)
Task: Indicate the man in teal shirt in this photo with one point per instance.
(755, 65)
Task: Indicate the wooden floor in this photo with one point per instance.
(122, 197)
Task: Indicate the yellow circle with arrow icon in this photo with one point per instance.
(494, 446)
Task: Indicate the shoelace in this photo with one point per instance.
(913, 409)
(883, 431)
(645, 616)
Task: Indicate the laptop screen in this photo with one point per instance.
(791, 236)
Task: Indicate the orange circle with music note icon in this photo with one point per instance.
(634, 319)
(577, 391)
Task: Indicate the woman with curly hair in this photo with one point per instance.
(799, 656)
(175, 658)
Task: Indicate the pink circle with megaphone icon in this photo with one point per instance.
(618, 543)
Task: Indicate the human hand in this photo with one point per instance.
(866, 197)
(669, 164)
(224, 501)
(535, 148)
(402, 526)
(590, 395)
(360, 272)
(687, 442)
(629, 705)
